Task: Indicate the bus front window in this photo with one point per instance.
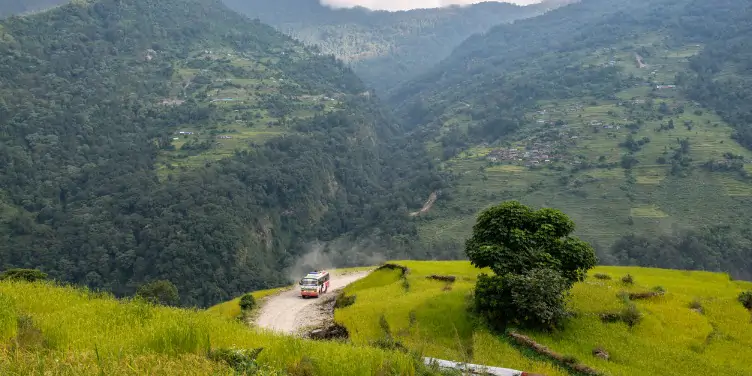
(308, 282)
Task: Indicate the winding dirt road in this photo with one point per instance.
(287, 312)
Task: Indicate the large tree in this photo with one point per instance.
(535, 262)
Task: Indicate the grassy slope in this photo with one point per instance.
(83, 333)
(672, 339)
(602, 200)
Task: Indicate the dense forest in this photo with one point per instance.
(494, 85)
(384, 48)
(83, 122)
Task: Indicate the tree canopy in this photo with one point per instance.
(535, 262)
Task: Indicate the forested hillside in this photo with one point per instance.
(178, 140)
(384, 48)
(633, 117)
(11, 7)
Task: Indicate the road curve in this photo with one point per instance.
(287, 311)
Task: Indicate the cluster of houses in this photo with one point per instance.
(537, 154)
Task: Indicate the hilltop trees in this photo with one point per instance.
(535, 263)
(159, 292)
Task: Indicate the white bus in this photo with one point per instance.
(314, 284)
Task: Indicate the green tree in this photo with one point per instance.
(159, 292)
(247, 302)
(535, 262)
(28, 275)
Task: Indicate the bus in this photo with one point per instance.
(314, 284)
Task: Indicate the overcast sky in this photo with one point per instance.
(410, 4)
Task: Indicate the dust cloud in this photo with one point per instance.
(335, 254)
(395, 5)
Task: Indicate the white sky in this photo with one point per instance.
(410, 4)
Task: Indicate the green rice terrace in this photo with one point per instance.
(686, 322)
(254, 99)
(646, 160)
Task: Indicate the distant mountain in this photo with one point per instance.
(384, 48)
(631, 116)
(11, 7)
(178, 140)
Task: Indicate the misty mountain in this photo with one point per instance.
(384, 48)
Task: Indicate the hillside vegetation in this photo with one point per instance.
(696, 326)
(384, 48)
(280, 147)
(603, 109)
(49, 329)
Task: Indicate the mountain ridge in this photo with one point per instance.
(384, 48)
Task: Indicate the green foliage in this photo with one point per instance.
(247, 302)
(512, 238)
(535, 299)
(535, 260)
(159, 292)
(745, 298)
(627, 279)
(241, 360)
(28, 275)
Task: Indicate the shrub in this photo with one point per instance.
(627, 279)
(631, 315)
(241, 360)
(601, 276)
(159, 292)
(247, 302)
(697, 306)
(344, 301)
(746, 299)
(28, 275)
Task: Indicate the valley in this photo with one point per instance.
(558, 189)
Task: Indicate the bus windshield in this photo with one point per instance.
(308, 282)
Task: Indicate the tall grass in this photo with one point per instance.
(669, 339)
(85, 333)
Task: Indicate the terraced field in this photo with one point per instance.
(250, 101)
(635, 162)
(697, 326)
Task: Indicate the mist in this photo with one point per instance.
(394, 5)
(335, 254)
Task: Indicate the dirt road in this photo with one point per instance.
(287, 312)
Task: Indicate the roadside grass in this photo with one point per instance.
(671, 338)
(70, 331)
(231, 308)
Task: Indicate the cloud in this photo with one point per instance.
(409, 4)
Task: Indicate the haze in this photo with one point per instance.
(410, 4)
